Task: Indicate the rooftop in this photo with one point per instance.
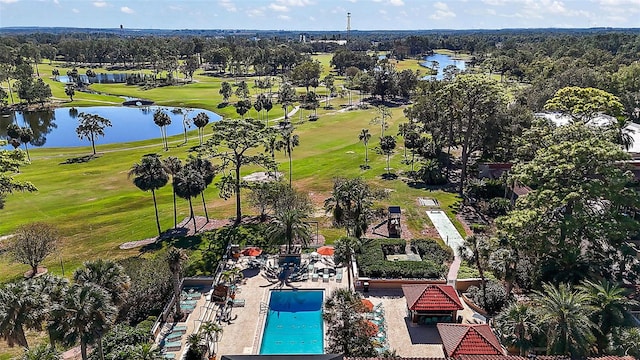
(469, 339)
(431, 297)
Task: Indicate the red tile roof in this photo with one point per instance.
(431, 297)
(469, 339)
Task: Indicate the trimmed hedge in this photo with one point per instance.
(372, 260)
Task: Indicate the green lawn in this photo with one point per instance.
(98, 208)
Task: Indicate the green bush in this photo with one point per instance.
(496, 296)
(372, 262)
(498, 206)
(433, 250)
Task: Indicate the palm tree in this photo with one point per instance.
(187, 184)
(162, 119)
(150, 175)
(206, 169)
(51, 290)
(176, 258)
(20, 308)
(287, 142)
(26, 135)
(146, 351)
(517, 324)
(85, 315)
(108, 275)
(611, 306)
(564, 314)
(267, 104)
(364, 137)
(173, 165)
(258, 103)
(212, 332)
(344, 251)
(476, 250)
(290, 211)
(195, 348)
(387, 144)
(41, 352)
(201, 120)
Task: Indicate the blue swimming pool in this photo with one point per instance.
(294, 323)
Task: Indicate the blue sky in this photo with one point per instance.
(321, 14)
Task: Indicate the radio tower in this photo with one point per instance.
(348, 25)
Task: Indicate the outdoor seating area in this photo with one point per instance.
(375, 318)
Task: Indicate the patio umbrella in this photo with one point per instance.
(367, 304)
(372, 329)
(325, 250)
(252, 251)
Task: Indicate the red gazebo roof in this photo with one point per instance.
(467, 339)
(431, 297)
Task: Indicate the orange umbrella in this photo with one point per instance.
(325, 250)
(252, 251)
(367, 304)
(372, 329)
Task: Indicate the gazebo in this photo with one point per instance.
(468, 339)
(432, 303)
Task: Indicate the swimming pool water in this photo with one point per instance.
(294, 323)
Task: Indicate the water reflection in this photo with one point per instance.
(57, 128)
(440, 62)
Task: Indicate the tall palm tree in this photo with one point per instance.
(517, 324)
(176, 258)
(108, 275)
(267, 104)
(173, 165)
(149, 174)
(387, 144)
(162, 119)
(610, 305)
(201, 120)
(476, 249)
(195, 348)
(20, 308)
(85, 315)
(286, 143)
(564, 314)
(189, 183)
(212, 332)
(344, 251)
(290, 212)
(365, 136)
(206, 169)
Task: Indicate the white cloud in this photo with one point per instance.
(75, 11)
(127, 10)
(8, 1)
(442, 11)
(352, 1)
(279, 8)
(495, 2)
(256, 12)
(100, 3)
(284, 17)
(228, 5)
(396, 2)
(383, 12)
(295, 2)
(311, 18)
(175, 8)
(56, 2)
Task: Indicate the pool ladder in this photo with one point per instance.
(264, 307)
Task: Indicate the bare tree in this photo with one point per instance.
(33, 243)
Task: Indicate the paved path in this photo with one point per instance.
(450, 236)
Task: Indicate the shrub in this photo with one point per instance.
(498, 206)
(496, 296)
(478, 228)
(372, 261)
(434, 250)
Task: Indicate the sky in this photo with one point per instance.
(328, 15)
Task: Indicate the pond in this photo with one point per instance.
(442, 61)
(115, 78)
(57, 128)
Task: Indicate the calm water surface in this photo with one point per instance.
(443, 61)
(57, 128)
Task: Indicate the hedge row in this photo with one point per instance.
(372, 260)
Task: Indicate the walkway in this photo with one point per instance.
(450, 236)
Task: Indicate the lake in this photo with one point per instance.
(112, 78)
(443, 61)
(57, 128)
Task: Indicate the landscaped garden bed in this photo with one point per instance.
(373, 263)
